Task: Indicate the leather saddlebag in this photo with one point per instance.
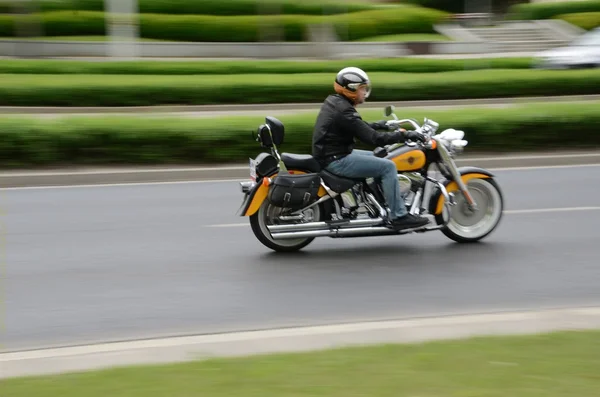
(294, 190)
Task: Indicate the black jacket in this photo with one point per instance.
(337, 126)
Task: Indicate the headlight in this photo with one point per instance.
(459, 143)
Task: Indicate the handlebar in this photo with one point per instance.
(411, 121)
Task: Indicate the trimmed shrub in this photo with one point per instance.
(28, 141)
(145, 90)
(398, 65)
(458, 6)
(209, 28)
(550, 10)
(214, 7)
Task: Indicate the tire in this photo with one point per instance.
(262, 218)
(465, 226)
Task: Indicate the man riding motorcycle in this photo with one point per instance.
(337, 126)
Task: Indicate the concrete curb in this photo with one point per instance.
(179, 349)
(157, 174)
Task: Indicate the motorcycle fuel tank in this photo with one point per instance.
(407, 158)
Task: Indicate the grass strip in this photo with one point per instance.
(398, 65)
(584, 20)
(146, 90)
(550, 365)
(546, 10)
(33, 142)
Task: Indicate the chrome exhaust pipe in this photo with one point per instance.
(350, 232)
(320, 226)
(302, 234)
(371, 231)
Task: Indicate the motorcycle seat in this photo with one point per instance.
(338, 183)
(301, 161)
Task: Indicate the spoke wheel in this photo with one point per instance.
(268, 215)
(466, 225)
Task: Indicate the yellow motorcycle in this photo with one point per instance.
(291, 200)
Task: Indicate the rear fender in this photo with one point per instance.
(436, 204)
(260, 191)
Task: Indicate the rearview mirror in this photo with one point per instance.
(389, 110)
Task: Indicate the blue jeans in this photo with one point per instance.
(364, 164)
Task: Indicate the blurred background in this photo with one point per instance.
(189, 28)
(64, 55)
(92, 90)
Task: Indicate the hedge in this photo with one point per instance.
(26, 141)
(207, 28)
(550, 10)
(458, 6)
(214, 7)
(585, 20)
(398, 65)
(117, 90)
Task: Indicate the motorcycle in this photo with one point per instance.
(290, 200)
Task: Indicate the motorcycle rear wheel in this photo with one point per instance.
(266, 216)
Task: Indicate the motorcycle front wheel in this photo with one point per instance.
(466, 225)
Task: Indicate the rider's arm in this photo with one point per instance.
(352, 122)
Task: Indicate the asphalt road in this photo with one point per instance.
(86, 264)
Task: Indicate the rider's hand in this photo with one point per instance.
(380, 125)
(415, 136)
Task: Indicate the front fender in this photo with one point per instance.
(259, 193)
(436, 205)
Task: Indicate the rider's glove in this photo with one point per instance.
(415, 136)
(380, 125)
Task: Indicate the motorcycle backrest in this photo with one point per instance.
(271, 133)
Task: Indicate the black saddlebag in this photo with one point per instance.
(294, 190)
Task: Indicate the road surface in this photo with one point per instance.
(90, 264)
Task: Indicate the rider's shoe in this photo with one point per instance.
(409, 221)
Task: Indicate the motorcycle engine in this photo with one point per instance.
(405, 184)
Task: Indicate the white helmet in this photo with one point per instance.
(348, 81)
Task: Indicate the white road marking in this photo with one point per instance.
(507, 212)
(542, 167)
(237, 180)
(129, 171)
(533, 157)
(124, 184)
(542, 210)
(231, 225)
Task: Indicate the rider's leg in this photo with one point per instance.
(388, 174)
(365, 164)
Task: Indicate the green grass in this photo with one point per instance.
(398, 65)
(408, 37)
(122, 90)
(548, 365)
(146, 139)
(584, 20)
